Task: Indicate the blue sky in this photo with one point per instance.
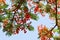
(30, 35)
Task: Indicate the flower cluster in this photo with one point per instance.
(44, 33)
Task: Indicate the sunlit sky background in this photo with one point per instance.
(30, 35)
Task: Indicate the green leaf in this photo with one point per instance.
(4, 6)
(58, 16)
(25, 25)
(18, 25)
(52, 14)
(9, 33)
(8, 29)
(8, 13)
(33, 16)
(0, 25)
(8, 26)
(59, 29)
(31, 28)
(38, 37)
(4, 29)
(1, 18)
(56, 38)
(56, 30)
(48, 7)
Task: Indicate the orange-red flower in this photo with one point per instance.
(42, 30)
(2, 1)
(58, 12)
(5, 22)
(44, 33)
(58, 3)
(39, 10)
(44, 38)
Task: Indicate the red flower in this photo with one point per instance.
(27, 16)
(25, 31)
(25, 10)
(51, 1)
(54, 9)
(19, 21)
(22, 28)
(36, 8)
(17, 30)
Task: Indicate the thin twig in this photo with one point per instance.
(53, 28)
(55, 16)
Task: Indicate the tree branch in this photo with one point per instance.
(55, 16)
